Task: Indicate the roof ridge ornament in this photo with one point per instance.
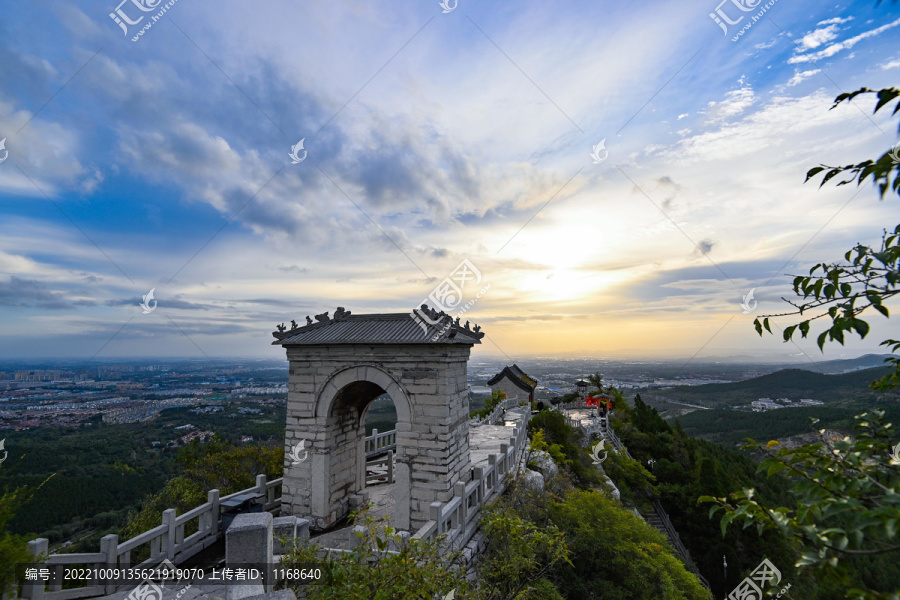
(443, 325)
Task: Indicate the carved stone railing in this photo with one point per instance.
(378, 443)
(458, 517)
(496, 414)
(167, 541)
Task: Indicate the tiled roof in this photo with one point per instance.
(391, 328)
(517, 376)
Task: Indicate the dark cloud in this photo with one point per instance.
(36, 294)
(163, 302)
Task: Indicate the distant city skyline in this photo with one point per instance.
(619, 176)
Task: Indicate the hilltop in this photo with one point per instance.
(786, 383)
(729, 420)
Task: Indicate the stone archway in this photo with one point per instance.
(337, 367)
(341, 406)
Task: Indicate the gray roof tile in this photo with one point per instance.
(391, 328)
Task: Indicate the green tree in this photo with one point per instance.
(214, 465)
(848, 492)
(13, 548)
(843, 290)
(596, 380)
(496, 398)
(382, 567)
(518, 557)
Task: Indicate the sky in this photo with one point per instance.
(596, 178)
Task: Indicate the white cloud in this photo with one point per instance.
(682, 115)
(45, 150)
(835, 21)
(735, 102)
(800, 76)
(845, 45)
(816, 38)
(893, 64)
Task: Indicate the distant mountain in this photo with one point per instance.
(787, 383)
(867, 361)
(845, 395)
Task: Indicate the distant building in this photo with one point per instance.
(513, 382)
(246, 438)
(764, 404)
(810, 402)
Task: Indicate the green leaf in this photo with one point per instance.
(789, 331)
(776, 467)
(726, 519)
(821, 340)
(766, 324)
(813, 172)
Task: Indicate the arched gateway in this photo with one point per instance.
(338, 366)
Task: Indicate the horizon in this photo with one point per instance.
(588, 194)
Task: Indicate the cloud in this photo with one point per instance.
(845, 45)
(31, 293)
(90, 184)
(735, 103)
(757, 131)
(816, 38)
(835, 20)
(705, 246)
(175, 303)
(800, 76)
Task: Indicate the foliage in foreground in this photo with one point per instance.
(848, 506)
(214, 465)
(611, 553)
(848, 492)
(496, 398)
(516, 558)
(684, 469)
(13, 548)
(416, 569)
(562, 443)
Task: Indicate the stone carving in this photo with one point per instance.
(294, 325)
(323, 318)
(281, 328)
(308, 320)
(467, 326)
(340, 314)
(477, 328)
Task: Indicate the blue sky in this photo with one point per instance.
(431, 137)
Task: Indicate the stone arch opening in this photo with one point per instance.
(340, 473)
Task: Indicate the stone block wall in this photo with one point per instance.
(329, 389)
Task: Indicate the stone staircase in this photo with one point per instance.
(657, 523)
(656, 517)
